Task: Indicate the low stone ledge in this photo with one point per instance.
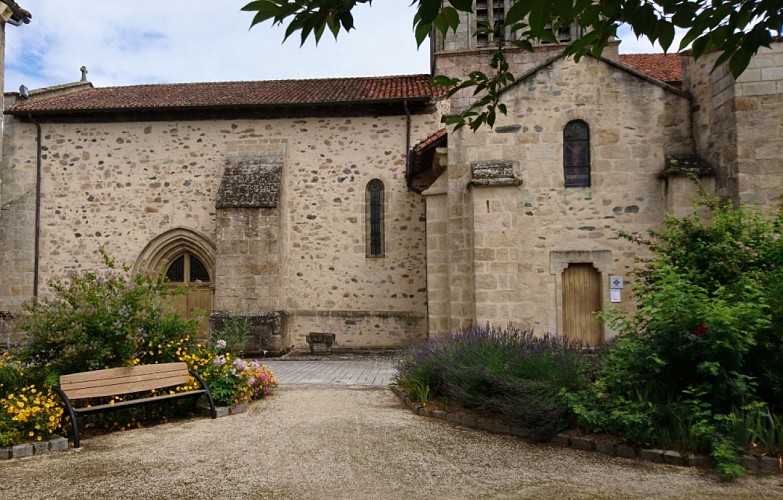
(55, 443)
(582, 443)
(586, 443)
(652, 455)
(673, 458)
(224, 411)
(699, 461)
(606, 447)
(750, 463)
(624, 451)
(771, 464)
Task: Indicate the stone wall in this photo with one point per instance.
(503, 235)
(738, 125)
(457, 54)
(17, 215)
(119, 185)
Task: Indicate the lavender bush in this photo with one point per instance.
(510, 373)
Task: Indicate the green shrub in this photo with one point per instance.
(232, 337)
(97, 320)
(705, 340)
(509, 373)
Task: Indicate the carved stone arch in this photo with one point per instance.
(186, 251)
(162, 250)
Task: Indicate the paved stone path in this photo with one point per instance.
(345, 373)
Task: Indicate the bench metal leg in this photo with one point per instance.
(212, 410)
(69, 407)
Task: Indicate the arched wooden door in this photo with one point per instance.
(581, 300)
(187, 269)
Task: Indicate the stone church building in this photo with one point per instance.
(345, 205)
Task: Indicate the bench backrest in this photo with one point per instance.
(124, 380)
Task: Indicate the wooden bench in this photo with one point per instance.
(126, 380)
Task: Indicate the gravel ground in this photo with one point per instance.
(323, 442)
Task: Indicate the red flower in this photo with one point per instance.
(701, 330)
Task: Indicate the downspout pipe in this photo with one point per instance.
(407, 144)
(37, 251)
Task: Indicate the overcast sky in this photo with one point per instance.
(124, 42)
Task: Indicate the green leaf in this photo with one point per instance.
(346, 19)
(444, 81)
(643, 21)
(665, 34)
(462, 5)
(739, 61)
(334, 27)
(540, 15)
(523, 44)
(428, 10)
(517, 12)
(421, 32)
(451, 16)
(700, 45)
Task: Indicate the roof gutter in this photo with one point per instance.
(20, 16)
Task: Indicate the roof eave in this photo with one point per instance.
(226, 107)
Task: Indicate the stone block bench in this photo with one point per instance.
(320, 342)
(126, 380)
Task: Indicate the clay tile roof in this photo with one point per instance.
(664, 67)
(437, 138)
(327, 91)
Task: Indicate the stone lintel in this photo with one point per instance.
(493, 173)
(686, 164)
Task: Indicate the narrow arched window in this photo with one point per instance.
(374, 200)
(576, 153)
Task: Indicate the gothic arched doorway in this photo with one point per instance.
(185, 258)
(188, 270)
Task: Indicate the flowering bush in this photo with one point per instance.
(105, 319)
(99, 320)
(506, 372)
(29, 415)
(233, 381)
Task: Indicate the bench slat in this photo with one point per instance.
(120, 388)
(125, 380)
(123, 371)
(134, 402)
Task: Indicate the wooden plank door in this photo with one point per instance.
(189, 270)
(199, 306)
(581, 299)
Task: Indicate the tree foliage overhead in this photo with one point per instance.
(736, 29)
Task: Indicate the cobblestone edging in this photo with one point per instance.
(59, 443)
(612, 448)
(55, 443)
